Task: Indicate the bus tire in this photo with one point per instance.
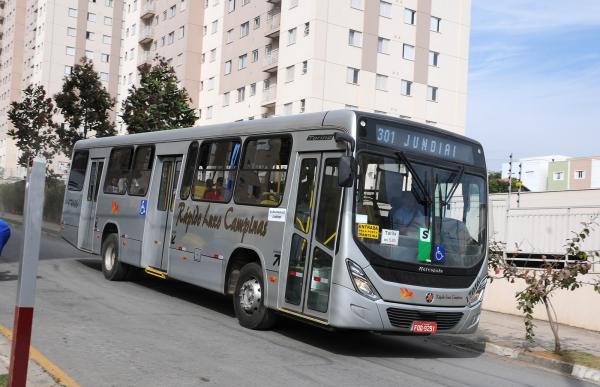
(112, 268)
(248, 299)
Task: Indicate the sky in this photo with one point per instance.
(534, 78)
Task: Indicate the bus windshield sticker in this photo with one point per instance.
(389, 237)
(424, 246)
(362, 218)
(277, 214)
(143, 207)
(368, 231)
(439, 253)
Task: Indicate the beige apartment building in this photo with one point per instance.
(404, 58)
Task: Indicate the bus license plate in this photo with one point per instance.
(427, 327)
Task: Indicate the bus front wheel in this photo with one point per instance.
(249, 299)
(112, 268)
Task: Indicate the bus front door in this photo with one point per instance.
(308, 263)
(169, 169)
(90, 201)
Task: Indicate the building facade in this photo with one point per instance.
(404, 58)
(533, 171)
(573, 174)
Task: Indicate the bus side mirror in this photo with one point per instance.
(346, 171)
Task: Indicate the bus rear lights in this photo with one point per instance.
(361, 281)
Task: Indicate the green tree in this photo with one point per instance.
(159, 102)
(85, 105)
(33, 128)
(499, 185)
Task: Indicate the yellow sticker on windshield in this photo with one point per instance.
(368, 231)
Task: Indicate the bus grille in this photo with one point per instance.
(403, 318)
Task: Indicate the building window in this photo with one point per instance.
(72, 12)
(355, 38)
(241, 94)
(104, 77)
(68, 70)
(558, 176)
(181, 32)
(292, 36)
(385, 9)
(211, 83)
(287, 108)
(257, 22)
(357, 4)
(229, 36)
(245, 2)
(289, 73)
(228, 67)
(352, 75)
(433, 58)
(226, 99)
(435, 24)
(89, 35)
(432, 93)
(230, 5)
(182, 6)
(108, 3)
(381, 82)
(104, 58)
(214, 27)
(302, 105)
(172, 11)
(71, 31)
(579, 175)
(293, 3)
(405, 87)
(252, 89)
(107, 21)
(213, 55)
(89, 54)
(70, 51)
(106, 39)
(408, 52)
(410, 16)
(91, 17)
(242, 61)
(255, 55)
(306, 28)
(171, 37)
(244, 29)
(209, 110)
(304, 67)
(383, 46)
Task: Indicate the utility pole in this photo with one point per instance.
(519, 184)
(507, 214)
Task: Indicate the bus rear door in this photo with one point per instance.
(309, 251)
(89, 206)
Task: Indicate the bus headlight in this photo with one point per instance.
(476, 294)
(361, 281)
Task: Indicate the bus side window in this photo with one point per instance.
(263, 172)
(188, 174)
(117, 172)
(78, 168)
(216, 170)
(142, 169)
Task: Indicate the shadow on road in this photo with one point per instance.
(7, 276)
(341, 342)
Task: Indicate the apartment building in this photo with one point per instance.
(406, 58)
(165, 28)
(41, 42)
(573, 174)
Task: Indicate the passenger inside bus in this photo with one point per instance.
(405, 211)
(213, 193)
(114, 185)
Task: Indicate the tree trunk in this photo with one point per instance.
(553, 324)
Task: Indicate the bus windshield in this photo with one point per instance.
(412, 212)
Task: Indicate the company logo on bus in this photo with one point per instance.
(429, 298)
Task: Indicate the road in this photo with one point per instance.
(149, 332)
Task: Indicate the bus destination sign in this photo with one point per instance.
(424, 143)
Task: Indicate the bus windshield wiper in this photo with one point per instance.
(454, 185)
(426, 197)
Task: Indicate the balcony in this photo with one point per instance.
(148, 10)
(269, 96)
(146, 35)
(273, 23)
(144, 59)
(271, 60)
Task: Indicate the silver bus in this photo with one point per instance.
(344, 219)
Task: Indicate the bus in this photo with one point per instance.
(343, 219)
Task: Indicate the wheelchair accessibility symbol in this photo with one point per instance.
(143, 207)
(439, 254)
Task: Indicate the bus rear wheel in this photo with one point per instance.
(112, 268)
(249, 299)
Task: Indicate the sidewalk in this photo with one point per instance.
(49, 227)
(36, 376)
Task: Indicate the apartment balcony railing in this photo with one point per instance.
(269, 95)
(146, 35)
(273, 23)
(145, 58)
(148, 10)
(271, 60)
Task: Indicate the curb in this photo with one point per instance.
(577, 370)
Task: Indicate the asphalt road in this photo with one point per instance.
(149, 332)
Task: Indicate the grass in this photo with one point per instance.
(574, 357)
(3, 380)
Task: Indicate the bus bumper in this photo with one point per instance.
(353, 311)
